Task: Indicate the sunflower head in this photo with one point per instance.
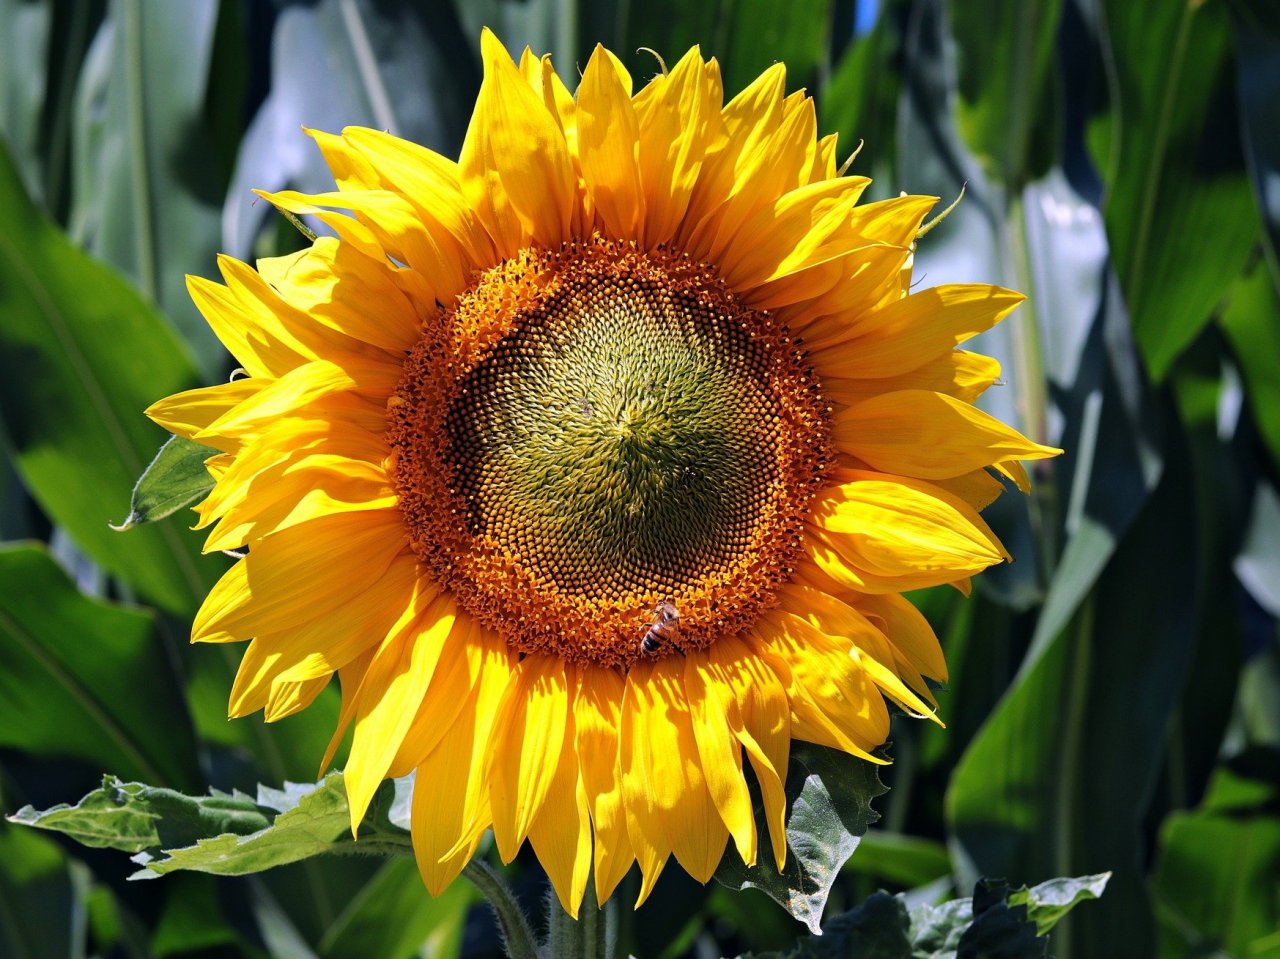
(595, 462)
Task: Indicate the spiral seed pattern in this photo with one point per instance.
(594, 430)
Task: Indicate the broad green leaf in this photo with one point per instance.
(393, 916)
(224, 834)
(1215, 876)
(1257, 36)
(1058, 779)
(746, 36)
(878, 928)
(996, 923)
(313, 820)
(175, 478)
(81, 355)
(828, 810)
(133, 817)
(82, 665)
(148, 186)
(402, 68)
(900, 859)
(1048, 902)
(1001, 927)
(859, 103)
(41, 898)
(1006, 82)
(1249, 324)
(25, 27)
(1180, 213)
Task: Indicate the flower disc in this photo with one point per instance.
(612, 430)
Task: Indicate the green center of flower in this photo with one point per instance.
(619, 439)
(595, 435)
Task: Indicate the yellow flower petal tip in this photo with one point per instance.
(595, 465)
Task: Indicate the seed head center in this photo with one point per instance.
(628, 436)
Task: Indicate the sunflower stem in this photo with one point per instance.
(517, 936)
(590, 936)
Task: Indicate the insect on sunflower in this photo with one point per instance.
(594, 463)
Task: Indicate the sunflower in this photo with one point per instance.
(595, 465)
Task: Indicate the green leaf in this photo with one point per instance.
(1062, 772)
(81, 355)
(1257, 36)
(1215, 875)
(394, 917)
(829, 798)
(1180, 212)
(1048, 902)
(313, 819)
(148, 185)
(25, 27)
(1006, 82)
(78, 663)
(903, 860)
(997, 923)
(859, 101)
(133, 817)
(227, 834)
(175, 478)
(1249, 323)
(41, 898)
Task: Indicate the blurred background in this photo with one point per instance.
(1114, 701)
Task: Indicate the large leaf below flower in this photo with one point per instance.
(828, 810)
(227, 834)
(997, 922)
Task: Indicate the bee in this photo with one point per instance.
(664, 628)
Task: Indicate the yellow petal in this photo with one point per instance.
(928, 435)
(527, 748)
(957, 373)
(777, 167)
(711, 699)
(1016, 473)
(747, 122)
(303, 385)
(451, 795)
(870, 647)
(664, 789)
(515, 165)
(561, 832)
(431, 182)
(350, 677)
(608, 148)
(323, 645)
(289, 698)
(455, 676)
(909, 631)
(803, 228)
(259, 593)
(597, 711)
(889, 537)
(902, 335)
(194, 411)
(833, 702)
(678, 115)
(333, 284)
(392, 693)
(291, 476)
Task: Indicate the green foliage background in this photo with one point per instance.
(1115, 694)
